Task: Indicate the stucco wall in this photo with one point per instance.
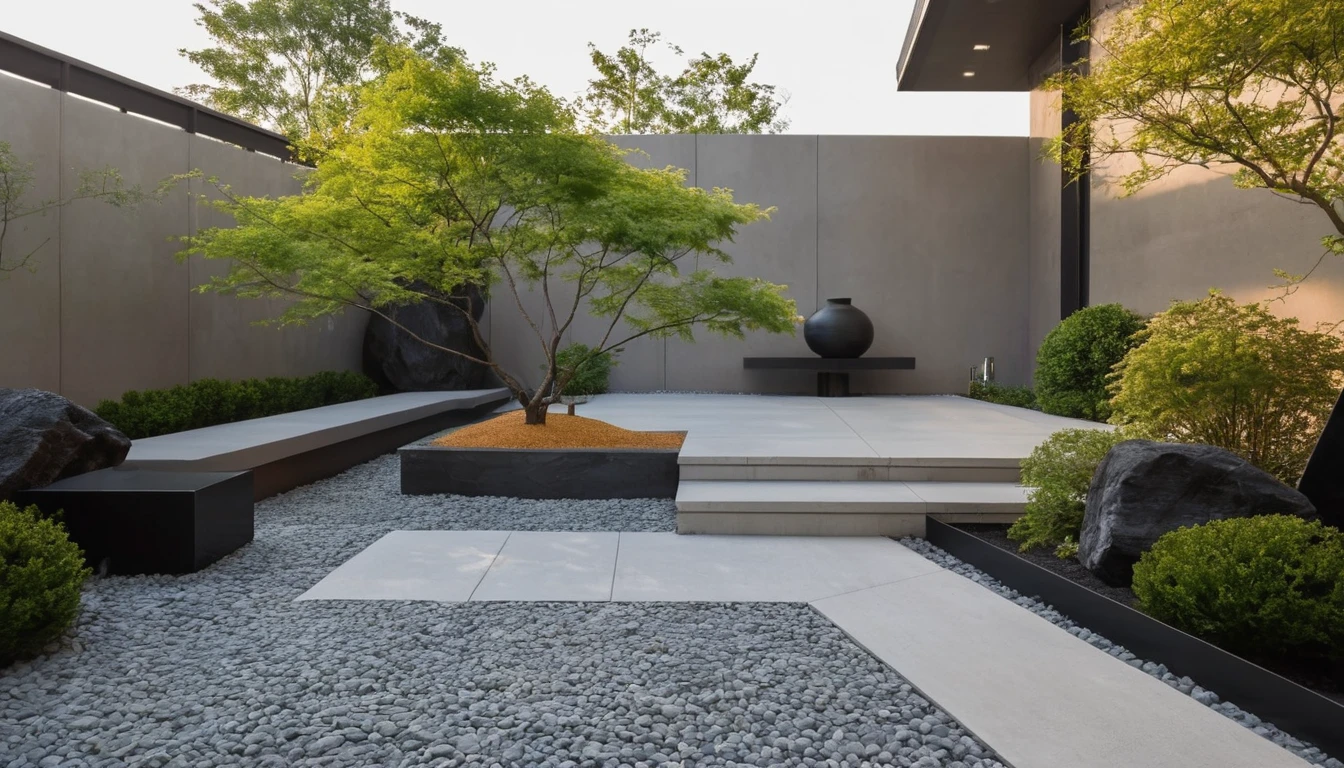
(1194, 231)
(107, 307)
(929, 235)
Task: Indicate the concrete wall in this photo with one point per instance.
(107, 307)
(928, 235)
(1194, 231)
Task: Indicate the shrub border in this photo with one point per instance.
(1297, 710)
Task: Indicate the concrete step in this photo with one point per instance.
(839, 508)
(958, 469)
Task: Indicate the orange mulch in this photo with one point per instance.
(560, 431)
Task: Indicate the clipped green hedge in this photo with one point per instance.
(1022, 397)
(208, 402)
(41, 573)
(1267, 585)
(1074, 363)
(592, 373)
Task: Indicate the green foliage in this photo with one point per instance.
(1234, 376)
(1254, 83)
(587, 370)
(208, 402)
(291, 64)
(1267, 585)
(450, 178)
(713, 94)
(1022, 397)
(1075, 361)
(1058, 472)
(41, 573)
(16, 176)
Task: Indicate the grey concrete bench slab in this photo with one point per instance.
(294, 449)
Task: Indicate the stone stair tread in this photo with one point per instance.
(694, 493)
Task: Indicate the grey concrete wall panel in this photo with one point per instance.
(928, 236)
(123, 295)
(778, 171)
(226, 339)
(30, 299)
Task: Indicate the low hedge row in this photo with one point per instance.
(205, 403)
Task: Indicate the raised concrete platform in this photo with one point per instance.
(293, 449)
(839, 466)
(839, 508)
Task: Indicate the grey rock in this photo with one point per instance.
(1143, 489)
(45, 437)
(397, 361)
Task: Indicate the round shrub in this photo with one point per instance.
(41, 572)
(592, 373)
(1073, 365)
(1058, 472)
(1234, 376)
(1267, 585)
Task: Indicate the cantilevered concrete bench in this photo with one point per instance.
(294, 449)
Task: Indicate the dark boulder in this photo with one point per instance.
(45, 438)
(399, 362)
(1144, 489)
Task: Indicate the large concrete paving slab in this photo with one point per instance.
(542, 565)
(1039, 696)
(446, 566)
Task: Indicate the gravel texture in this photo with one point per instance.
(223, 668)
(1183, 684)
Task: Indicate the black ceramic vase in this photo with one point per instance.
(838, 329)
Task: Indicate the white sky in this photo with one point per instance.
(836, 59)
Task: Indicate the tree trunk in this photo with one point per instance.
(535, 413)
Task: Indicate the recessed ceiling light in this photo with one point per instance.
(980, 47)
(968, 74)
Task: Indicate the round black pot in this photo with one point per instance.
(838, 329)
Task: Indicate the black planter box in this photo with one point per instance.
(147, 521)
(587, 473)
(1297, 710)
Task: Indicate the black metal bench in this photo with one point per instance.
(832, 372)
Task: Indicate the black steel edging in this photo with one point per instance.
(1297, 710)
(70, 75)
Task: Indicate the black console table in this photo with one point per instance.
(832, 372)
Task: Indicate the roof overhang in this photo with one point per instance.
(940, 45)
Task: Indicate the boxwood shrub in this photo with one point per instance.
(41, 573)
(1022, 397)
(1258, 586)
(592, 376)
(208, 402)
(1074, 363)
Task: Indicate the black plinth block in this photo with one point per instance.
(832, 372)
(588, 473)
(146, 521)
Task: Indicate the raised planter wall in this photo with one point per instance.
(1298, 710)
(539, 474)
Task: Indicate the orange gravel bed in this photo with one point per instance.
(560, 431)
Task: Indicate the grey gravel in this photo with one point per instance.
(224, 668)
(1183, 684)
